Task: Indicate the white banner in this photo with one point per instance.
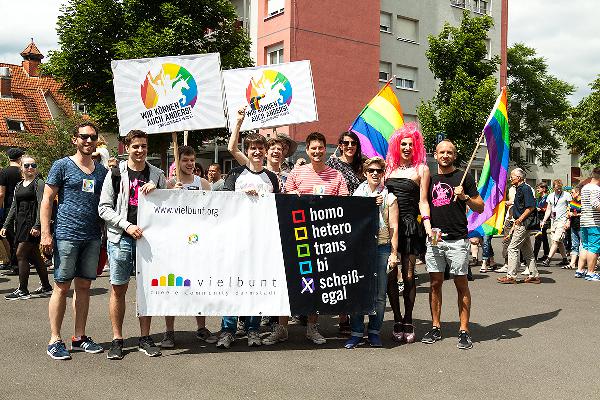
(209, 253)
(168, 94)
(276, 95)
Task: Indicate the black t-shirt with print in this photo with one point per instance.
(449, 215)
(137, 179)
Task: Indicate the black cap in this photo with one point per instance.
(14, 153)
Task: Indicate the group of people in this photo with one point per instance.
(420, 212)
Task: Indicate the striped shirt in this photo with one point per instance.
(305, 180)
(590, 202)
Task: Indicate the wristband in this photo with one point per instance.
(425, 217)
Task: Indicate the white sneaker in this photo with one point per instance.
(483, 268)
(312, 334)
(526, 272)
(279, 334)
(502, 270)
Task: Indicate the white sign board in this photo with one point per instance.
(210, 253)
(169, 94)
(275, 95)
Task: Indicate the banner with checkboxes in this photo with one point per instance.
(228, 253)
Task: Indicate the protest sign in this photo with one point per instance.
(330, 254)
(168, 94)
(220, 253)
(275, 95)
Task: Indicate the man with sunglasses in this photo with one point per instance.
(77, 180)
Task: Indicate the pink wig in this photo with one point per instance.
(394, 154)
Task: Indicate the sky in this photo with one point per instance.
(565, 33)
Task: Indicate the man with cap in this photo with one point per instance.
(9, 177)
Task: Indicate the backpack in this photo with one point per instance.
(115, 173)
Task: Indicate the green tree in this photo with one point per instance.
(91, 33)
(537, 102)
(467, 88)
(54, 143)
(582, 127)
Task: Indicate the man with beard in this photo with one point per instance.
(78, 182)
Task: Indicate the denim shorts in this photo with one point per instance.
(76, 259)
(454, 253)
(575, 240)
(121, 258)
(590, 238)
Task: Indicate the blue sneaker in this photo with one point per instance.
(353, 342)
(580, 274)
(375, 340)
(595, 277)
(58, 351)
(85, 344)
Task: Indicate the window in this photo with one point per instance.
(407, 29)
(275, 7)
(406, 77)
(488, 47)
(385, 71)
(14, 125)
(80, 108)
(275, 54)
(385, 22)
(530, 156)
(480, 6)
(515, 153)
(530, 182)
(459, 3)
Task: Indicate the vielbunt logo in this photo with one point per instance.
(193, 238)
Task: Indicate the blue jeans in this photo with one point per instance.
(122, 260)
(76, 259)
(357, 321)
(488, 251)
(229, 324)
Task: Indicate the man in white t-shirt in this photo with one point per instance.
(558, 203)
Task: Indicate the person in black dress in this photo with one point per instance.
(24, 217)
(407, 177)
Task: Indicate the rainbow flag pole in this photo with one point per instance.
(378, 121)
(492, 182)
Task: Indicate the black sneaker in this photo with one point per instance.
(42, 292)
(432, 336)
(564, 262)
(464, 341)
(116, 350)
(18, 295)
(148, 347)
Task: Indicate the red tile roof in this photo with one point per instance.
(32, 50)
(28, 102)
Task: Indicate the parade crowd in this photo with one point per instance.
(85, 208)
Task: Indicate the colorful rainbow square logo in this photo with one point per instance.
(171, 280)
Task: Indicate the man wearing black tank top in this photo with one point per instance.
(448, 243)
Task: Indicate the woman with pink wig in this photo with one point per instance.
(407, 177)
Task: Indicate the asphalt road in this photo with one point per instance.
(530, 341)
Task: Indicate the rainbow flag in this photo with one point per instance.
(575, 206)
(492, 182)
(377, 122)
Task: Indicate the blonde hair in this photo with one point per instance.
(23, 157)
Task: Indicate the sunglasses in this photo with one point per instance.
(373, 170)
(348, 143)
(32, 165)
(85, 136)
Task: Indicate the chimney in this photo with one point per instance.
(5, 80)
(32, 58)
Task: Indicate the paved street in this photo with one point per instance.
(530, 341)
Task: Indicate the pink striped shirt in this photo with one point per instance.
(305, 180)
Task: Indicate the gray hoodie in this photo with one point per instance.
(115, 215)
